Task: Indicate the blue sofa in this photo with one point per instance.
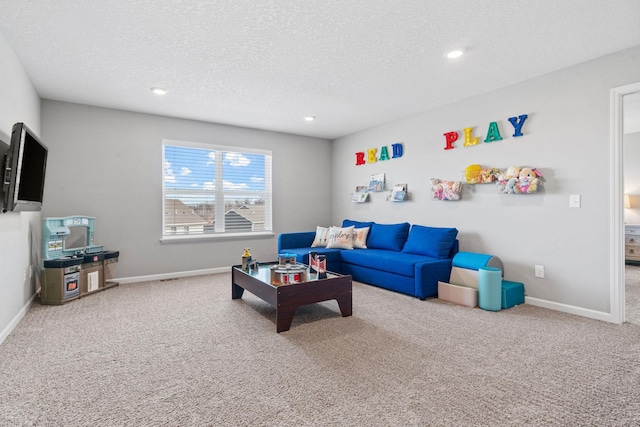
(399, 257)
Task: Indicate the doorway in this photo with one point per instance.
(621, 97)
(631, 168)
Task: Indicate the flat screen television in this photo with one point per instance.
(24, 166)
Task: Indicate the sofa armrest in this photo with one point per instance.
(454, 249)
(302, 239)
(428, 274)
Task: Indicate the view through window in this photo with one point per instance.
(209, 190)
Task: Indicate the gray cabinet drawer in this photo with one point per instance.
(632, 253)
(632, 230)
(630, 240)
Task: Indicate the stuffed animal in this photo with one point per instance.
(436, 189)
(488, 175)
(528, 180)
(507, 181)
(452, 189)
(445, 190)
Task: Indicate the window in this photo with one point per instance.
(211, 190)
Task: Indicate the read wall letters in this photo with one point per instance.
(372, 156)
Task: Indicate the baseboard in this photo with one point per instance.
(18, 317)
(168, 276)
(584, 312)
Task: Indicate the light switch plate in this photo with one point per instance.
(574, 201)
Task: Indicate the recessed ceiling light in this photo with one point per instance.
(159, 90)
(455, 54)
(309, 118)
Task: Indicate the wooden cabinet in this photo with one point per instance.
(632, 243)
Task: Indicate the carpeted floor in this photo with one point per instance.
(632, 294)
(182, 353)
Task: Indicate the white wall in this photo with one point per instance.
(632, 176)
(108, 164)
(566, 137)
(19, 232)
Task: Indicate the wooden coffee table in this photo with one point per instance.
(286, 298)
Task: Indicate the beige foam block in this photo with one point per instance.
(462, 295)
(464, 276)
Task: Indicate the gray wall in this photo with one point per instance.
(566, 137)
(108, 164)
(19, 232)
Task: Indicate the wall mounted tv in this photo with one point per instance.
(24, 163)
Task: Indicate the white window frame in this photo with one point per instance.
(220, 193)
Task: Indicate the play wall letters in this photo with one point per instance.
(493, 133)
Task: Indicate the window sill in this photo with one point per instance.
(221, 236)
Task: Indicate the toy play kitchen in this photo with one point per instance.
(74, 266)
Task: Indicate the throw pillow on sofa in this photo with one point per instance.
(360, 237)
(340, 238)
(322, 237)
(430, 241)
(388, 236)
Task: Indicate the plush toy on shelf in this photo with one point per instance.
(472, 174)
(517, 180)
(488, 176)
(445, 190)
(507, 181)
(528, 180)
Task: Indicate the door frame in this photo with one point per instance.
(616, 168)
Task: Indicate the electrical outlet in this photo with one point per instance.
(539, 271)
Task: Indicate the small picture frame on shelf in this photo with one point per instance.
(398, 194)
(360, 195)
(376, 183)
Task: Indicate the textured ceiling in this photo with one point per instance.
(267, 63)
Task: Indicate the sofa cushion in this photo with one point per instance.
(356, 224)
(388, 236)
(430, 241)
(301, 239)
(322, 237)
(379, 259)
(340, 238)
(360, 237)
